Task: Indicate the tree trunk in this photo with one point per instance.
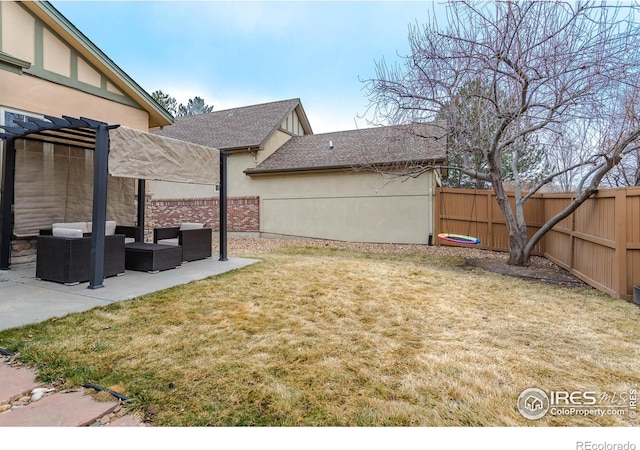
(517, 229)
(518, 256)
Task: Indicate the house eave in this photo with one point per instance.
(245, 148)
(374, 167)
(293, 170)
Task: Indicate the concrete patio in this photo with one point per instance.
(25, 299)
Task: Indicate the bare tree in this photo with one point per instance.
(627, 173)
(568, 150)
(557, 72)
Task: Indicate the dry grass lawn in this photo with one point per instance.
(328, 337)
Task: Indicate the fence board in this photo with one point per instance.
(599, 242)
(476, 213)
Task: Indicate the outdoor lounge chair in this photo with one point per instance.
(66, 259)
(194, 239)
(131, 233)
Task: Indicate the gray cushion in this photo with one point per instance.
(191, 226)
(73, 225)
(173, 241)
(110, 228)
(67, 232)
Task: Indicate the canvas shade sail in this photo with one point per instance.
(136, 154)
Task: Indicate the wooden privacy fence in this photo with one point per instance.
(599, 242)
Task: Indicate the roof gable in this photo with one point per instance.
(57, 51)
(348, 149)
(238, 128)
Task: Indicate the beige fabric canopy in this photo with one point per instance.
(136, 154)
(54, 183)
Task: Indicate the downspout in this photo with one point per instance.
(223, 206)
(142, 192)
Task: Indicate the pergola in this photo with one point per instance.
(94, 135)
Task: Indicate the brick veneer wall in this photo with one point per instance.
(243, 213)
(23, 250)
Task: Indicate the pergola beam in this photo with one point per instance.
(60, 140)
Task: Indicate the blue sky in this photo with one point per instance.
(241, 53)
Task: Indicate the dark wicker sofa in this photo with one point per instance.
(67, 260)
(196, 244)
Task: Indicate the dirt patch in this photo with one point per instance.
(539, 269)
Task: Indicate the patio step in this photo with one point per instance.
(64, 409)
(15, 382)
(57, 409)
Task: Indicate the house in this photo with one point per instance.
(337, 185)
(286, 181)
(250, 134)
(48, 68)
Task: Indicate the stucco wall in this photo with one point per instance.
(17, 31)
(239, 185)
(360, 207)
(275, 141)
(35, 95)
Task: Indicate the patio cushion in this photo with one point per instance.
(191, 226)
(82, 226)
(172, 241)
(109, 227)
(67, 232)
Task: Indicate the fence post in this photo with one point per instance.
(489, 220)
(572, 236)
(621, 243)
(436, 215)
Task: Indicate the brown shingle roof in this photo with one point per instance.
(235, 128)
(370, 146)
